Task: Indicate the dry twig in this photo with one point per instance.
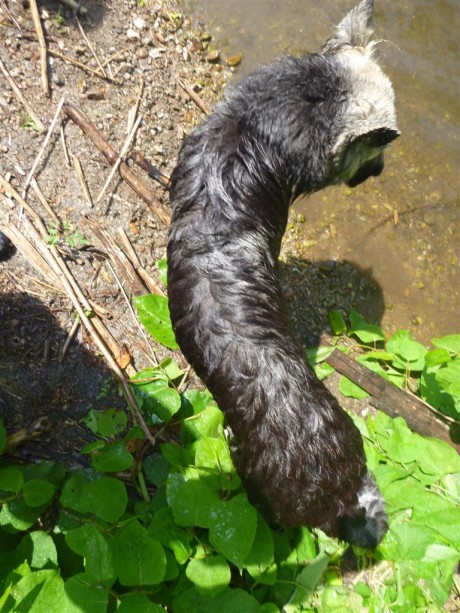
(90, 46)
(195, 97)
(75, 62)
(111, 155)
(81, 179)
(34, 185)
(76, 6)
(42, 45)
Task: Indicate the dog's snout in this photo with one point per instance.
(372, 168)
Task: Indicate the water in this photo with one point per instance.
(402, 227)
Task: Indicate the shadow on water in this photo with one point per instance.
(44, 399)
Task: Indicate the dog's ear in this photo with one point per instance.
(379, 138)
(355, 29)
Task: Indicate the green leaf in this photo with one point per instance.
(97, 549)
(193, 503)
(205, 423)
(163, 270)
(210, 574)
(112, 459)
(213, 455)
(436, 357)
(73, 494)
(156, 469)
(11, 479)
(450, 343)
(157, 400)
(139, 559)
(171, 369)
(337, 322)
(138, 603)
(106, 423)
(233, 528)
(350, 389)
(438, 458)
(411, 353)
(233, 601)
(261, 555)
(38, 492)
(153, 312)
(83, 595)
(39, 592)
(406, 541)
(54, 472)
(107, 498)
(448, 377)
(309, 577)
(366, 332)
(16, 514)
(164, 529)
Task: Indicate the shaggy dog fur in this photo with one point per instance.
(290, 128)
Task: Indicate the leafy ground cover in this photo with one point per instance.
(172, 528)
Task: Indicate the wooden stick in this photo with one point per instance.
(38, 122)
(111, 155)
(44, 145)
(75, 62)
(150, 169)
(76, 6)
(387, 397)
(135, 261)
(90, 46)
(42, 45)
(70, 337)
(34, 185)
(195, 97)
(81, 179)
(119, 159)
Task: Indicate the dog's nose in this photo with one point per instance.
(372, 168)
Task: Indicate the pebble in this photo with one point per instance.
(139, 23)
(132, 34)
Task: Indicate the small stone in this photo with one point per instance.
(139, 23)
(213, 56)
(205, 36)
(234, 60)
(132, 34)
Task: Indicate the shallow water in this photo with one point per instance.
(402, 227)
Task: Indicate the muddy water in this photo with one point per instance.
(402, 228)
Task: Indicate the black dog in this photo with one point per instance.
(288, 129)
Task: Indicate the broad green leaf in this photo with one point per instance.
(366, 332)
(11, 479)
(213, 455)
(233, 601)
(18, 515)
(39, 592)
(191, 601)
(451, 343)
(407, 541)
(350, 389)
(83, 596)
(154, 314)
(164, 529)
(171, 369)
(54, 472)
(210, 574)
(139, 559)
(410, 352)
(445, 522)
(156, 469)
(208, 422)
(193, 503)
(337, 322)
(112, 459)
(73, 494)
(158, 401)
(38, 492)
(261, 555)
(437, 357)
(106, 423)
(307, 580)
(448, 377)
(438, 458)
(177, 456)
(138, 603)
(107, 498)
(97, 550)
(233, 528)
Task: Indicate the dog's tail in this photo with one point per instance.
(368, 522)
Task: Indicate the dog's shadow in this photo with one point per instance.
(312, 289)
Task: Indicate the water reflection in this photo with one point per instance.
(404, 225)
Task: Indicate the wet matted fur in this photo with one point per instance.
(290, 128)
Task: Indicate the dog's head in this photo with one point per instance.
(369, 119)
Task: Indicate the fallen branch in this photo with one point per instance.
(385, 396)
(76, 6)
(74, 62)
(150, 169)
(111, 156)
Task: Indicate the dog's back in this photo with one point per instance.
(290, 128)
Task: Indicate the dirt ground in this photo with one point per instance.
(122, 54)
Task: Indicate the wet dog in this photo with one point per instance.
(290, 128)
